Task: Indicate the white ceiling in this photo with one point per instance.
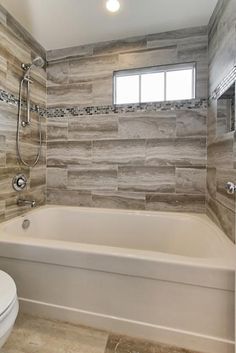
(65, 23)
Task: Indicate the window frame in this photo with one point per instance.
(152, 70)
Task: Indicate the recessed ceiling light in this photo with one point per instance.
(112, 5)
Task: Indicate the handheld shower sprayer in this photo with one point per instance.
(37, 62)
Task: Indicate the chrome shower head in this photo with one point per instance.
(38, 61)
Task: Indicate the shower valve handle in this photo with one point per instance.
(19, 182)
(230, 188)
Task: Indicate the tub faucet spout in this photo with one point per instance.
(31, 203)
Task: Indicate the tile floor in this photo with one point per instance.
(36, 335)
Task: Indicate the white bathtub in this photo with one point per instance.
(162, 276)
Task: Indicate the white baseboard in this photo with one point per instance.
(168, 335)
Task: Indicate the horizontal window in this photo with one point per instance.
(156, 84)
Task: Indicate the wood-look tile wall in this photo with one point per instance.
(18, 47)
(137, 160)
(83, 75)
(221, 148)
(131, 160)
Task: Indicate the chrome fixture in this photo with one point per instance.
(31, 203)
(25, 224)
(230, 188)
(37, 62)
(19, 182)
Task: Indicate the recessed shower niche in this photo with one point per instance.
(226, 111)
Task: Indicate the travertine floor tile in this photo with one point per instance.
(35, 335)
(122, 344)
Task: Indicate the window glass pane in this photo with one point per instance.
(179, 84)
(152, 87)
(127, 89)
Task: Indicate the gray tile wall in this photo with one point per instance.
(220, 152)
(143, 154)
(137, 160)
(83, 75)
(17, 46)
(153, 160)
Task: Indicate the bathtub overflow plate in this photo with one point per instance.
(25, 224)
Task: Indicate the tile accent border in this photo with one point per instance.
(131, 108)
(107, 109)
(225, 83)
(13, 100)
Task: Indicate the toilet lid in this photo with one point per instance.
(7, 291)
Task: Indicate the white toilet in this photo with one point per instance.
(9, 306)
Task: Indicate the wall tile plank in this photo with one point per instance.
(119, 151)
(156, 179)
(191, 180)
(94, 177)
(93, 127)
(147, 125)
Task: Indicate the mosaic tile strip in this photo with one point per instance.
(119, 109)
(108, 109)
(225, 84)
(13, 100)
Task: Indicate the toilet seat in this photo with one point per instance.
(8, 294)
